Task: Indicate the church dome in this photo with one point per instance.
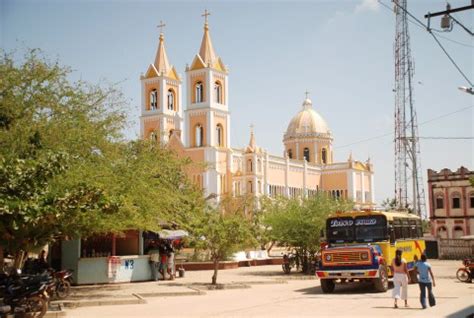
(307, 123)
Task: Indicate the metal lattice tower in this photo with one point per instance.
(408, 175)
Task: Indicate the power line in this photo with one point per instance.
(436, 39)
(448, 138)
(391, 133)
(424, 28)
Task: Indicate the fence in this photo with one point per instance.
(456, 248)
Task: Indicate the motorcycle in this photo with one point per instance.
(289, 261)
(63, 281)
(25, 295)
(465, 274)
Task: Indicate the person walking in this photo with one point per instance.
(400, 279)
(426, 281)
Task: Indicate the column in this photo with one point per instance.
(287, 172)
(265, 174)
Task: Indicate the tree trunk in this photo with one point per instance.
(18, 260)
(270, 248)
(216, 268)
(2, 259)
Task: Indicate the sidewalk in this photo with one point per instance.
(193, 283)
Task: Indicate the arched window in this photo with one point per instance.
(458, 232)
(219, 135)
(439, 201)
(199, 92)
(250, 187)
(249, 165)
(306, 154)
(154, 99)
(199, 135)
(324, 155)
(290, 154)
(442, 233)
(218, 92)
(471, 199)
(170, 133)
(154, 136)
(455, 201)
(170, 99)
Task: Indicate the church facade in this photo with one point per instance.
(201, 131)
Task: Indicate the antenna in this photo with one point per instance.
(407, 147)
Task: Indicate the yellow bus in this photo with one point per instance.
(361, 246)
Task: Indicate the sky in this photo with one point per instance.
(340, 51)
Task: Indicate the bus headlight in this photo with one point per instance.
(328, 257)
(364, 256)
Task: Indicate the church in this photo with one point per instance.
(201, 131)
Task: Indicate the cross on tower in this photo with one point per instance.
(306, 93)
(205, 15)
(251, 127)
(161, 26)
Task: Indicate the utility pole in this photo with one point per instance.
(407, 148)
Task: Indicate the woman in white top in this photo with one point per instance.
(400, 279)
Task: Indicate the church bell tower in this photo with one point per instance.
(161, 111)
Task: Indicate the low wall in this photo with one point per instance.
(201, 266)
(456, 248)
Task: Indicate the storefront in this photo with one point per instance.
(107, 259)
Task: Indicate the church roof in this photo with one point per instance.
(207, 56)
(162, 64)
(307, 122)
(206, 52)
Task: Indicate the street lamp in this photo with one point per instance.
(465, 89)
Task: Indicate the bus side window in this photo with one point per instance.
(391, 232)
(397, 225)
(419, 228)
(405, 228)
(413, 229)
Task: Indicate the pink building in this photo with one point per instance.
(451, 202)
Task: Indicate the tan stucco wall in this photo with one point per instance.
(276, 176)
(334, 181)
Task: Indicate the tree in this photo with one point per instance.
(297, 223)
(389, 204)
(222, 234)
(65, 168)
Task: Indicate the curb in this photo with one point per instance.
(90, 303)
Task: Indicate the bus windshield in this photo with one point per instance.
(340, 230)
(370, 228)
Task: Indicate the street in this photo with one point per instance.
(269, 293)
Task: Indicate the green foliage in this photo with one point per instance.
(65, 170)
(222, 234)
(389, 204)
(298, 223)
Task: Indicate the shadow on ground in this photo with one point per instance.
(344, 289)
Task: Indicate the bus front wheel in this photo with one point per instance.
(327, 285)
(381, 283)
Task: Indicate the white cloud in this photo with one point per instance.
(367, 5)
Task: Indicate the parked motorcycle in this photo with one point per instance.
(289, 261)
(24, 295)
(63, 281)
(465, 274)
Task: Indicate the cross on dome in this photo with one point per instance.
(307, 94)
(205, 15)
(161, 26)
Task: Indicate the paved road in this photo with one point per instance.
(297, 298)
